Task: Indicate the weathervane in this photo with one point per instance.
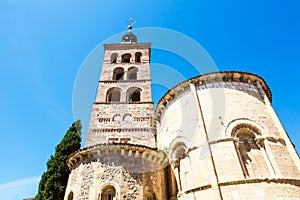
(131, 22)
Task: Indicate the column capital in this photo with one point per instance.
(260, 141)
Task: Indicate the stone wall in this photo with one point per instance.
(131, 170)
(232, 139)
(273, 190)
(132, 121)
(124, 86)
(122, 120)
(250, 191)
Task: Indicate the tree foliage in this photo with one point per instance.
(53, 182)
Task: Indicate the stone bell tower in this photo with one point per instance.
(120, 161)
(123, 107)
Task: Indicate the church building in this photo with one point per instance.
(211, 137)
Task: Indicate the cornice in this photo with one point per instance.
(216, 77)
(127, 46)
(132, 150)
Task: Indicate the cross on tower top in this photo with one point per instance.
(131, 22)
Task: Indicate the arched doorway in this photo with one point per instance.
(108, 193)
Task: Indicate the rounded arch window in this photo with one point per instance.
(178, 151)
(108, 193)
(70, 196)
(249, 151)
(126, 58)
(118, 73)
(132, 73)
(138, 56)
(113, 58)
(149, 195)
(113, 95)
(134, 95)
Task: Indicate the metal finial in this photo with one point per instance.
(131, 22)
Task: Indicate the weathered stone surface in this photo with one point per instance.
(235, 146)
(214, 136)
(125, 162)
(91, 174)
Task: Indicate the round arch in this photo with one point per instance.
(118, 73)
(116, 118)
(138, 56)
(134, 94)
(113, 58)
(127, 117)
(242, 123)
(106, 188)
(113, 94)
(71, 196)
(132, 73)
(250, 148)
(149, 193)
(126, 58)
(178, 147)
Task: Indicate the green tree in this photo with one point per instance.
(53, 182)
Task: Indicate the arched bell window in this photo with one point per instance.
(134, 94)
(138, 56)
(113, 58)
(113, 95)
(126, 58)
(108, 193)
(118, 73)
(132, 73)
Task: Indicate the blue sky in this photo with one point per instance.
(43, 43)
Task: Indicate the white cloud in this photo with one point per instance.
(19, 189)
(19, 183)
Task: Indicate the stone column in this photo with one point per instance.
(236, 145)
(261, 145)
(214, 178)
(272, 159)
(172, 186)
(125, 76)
